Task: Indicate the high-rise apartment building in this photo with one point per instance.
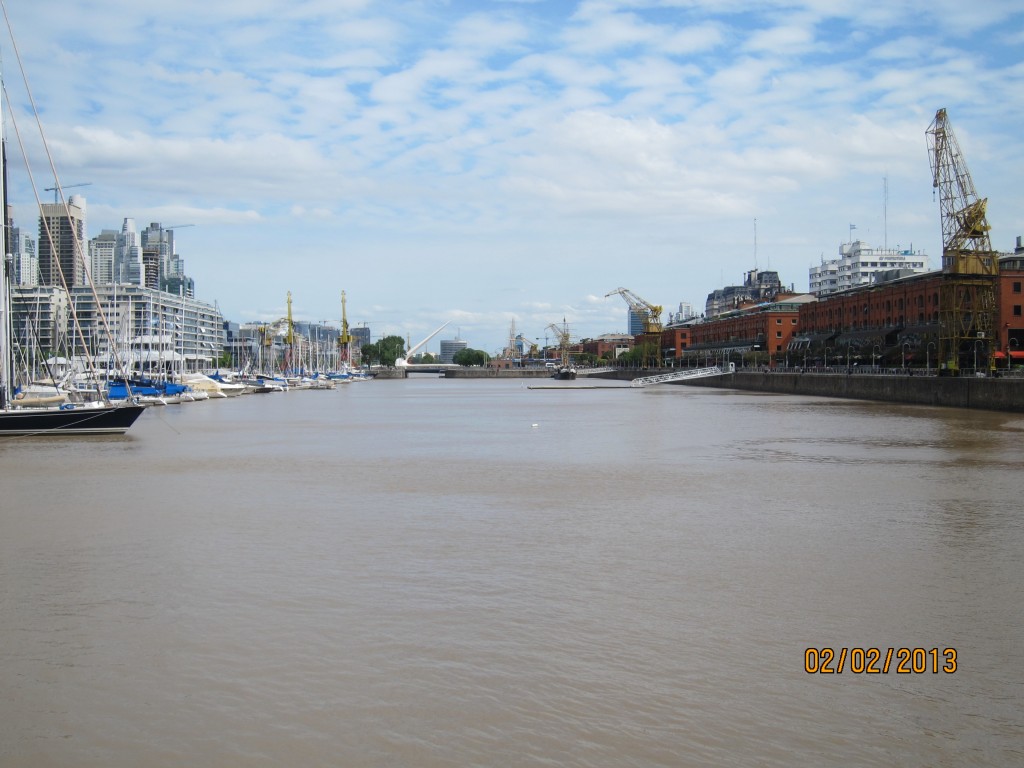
(102, 249)
(62, 246)
(26, 260)
(159, 241)
(128, 255)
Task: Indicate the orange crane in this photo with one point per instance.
(967, 295)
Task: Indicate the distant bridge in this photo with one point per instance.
(683, 375)
(429, 367)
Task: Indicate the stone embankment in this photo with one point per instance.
(988, 393)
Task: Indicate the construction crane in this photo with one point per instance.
(651, 317)
(56, 190)
(967, 294)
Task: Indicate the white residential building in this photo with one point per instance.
(860, 264)
(101, 257)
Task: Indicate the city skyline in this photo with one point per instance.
(483, 163)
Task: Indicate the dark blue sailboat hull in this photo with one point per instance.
(107, 420)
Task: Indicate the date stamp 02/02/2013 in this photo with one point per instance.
(904, 661)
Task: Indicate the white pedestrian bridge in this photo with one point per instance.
(684, 374)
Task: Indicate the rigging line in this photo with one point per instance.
(56, 178)
(165, 422)
(49, 232)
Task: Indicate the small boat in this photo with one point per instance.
(214, 386)
(564, 373)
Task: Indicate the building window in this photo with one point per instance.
(1016, 286)
(778, 334)
(1016, 310)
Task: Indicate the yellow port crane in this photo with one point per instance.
(290, 337)
(967, 295)
(651, 316)
(344, 338)
(564, 339)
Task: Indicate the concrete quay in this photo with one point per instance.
(989, 393)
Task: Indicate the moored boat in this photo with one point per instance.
(564, 373)
(31, 414)
(70, 419)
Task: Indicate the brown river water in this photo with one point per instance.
(479, 573)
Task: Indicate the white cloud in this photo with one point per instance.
(516, 158)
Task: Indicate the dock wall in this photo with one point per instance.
(994, 394)
(990, 393)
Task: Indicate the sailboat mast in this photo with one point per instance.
(5, 275)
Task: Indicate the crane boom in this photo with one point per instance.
(57, 190)
(651, 313)
(966, 248)
(967, 296)
(651, 316)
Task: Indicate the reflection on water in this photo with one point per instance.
(435, 572)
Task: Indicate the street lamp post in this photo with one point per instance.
(976, 343)
(906, 348)
(874, 356)
(827, 350)
(928, 356)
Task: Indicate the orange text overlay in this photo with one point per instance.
(874, 661)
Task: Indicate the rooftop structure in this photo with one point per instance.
(758, 286)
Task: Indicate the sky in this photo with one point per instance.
(490, 162)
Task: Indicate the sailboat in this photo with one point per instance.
(27, 415)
